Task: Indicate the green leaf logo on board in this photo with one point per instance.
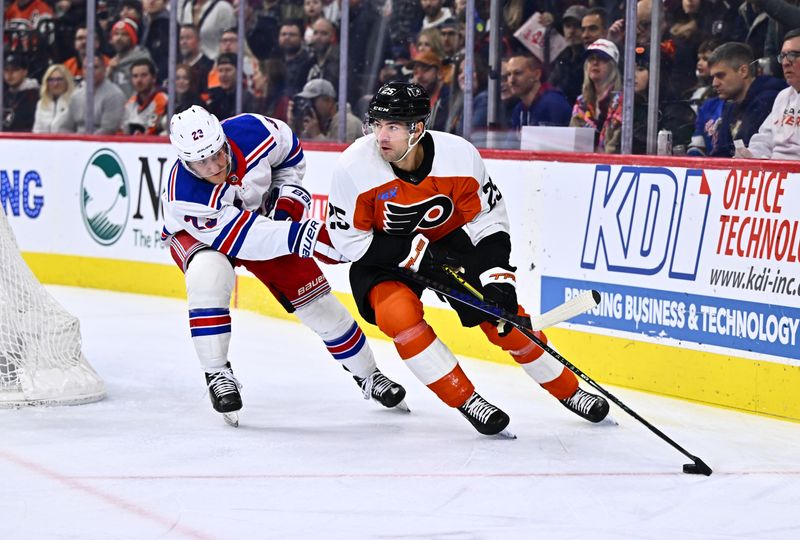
(105, 204)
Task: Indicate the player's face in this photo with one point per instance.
(214, 168)
(391, 138)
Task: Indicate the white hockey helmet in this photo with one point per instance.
(196, 134)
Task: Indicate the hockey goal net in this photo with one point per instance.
(41, 362)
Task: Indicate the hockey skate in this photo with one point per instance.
(223, 389)
(589, 406)
(485, 417)
(383, 390)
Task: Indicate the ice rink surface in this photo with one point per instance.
(312, 460)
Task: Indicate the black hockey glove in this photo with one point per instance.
(499, 289)
(425, 256)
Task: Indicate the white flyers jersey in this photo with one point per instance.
(264, 154)
(367, 195)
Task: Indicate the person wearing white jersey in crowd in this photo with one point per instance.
(406, 197)
(235, 197)
(779, 135)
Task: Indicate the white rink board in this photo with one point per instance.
(648, 238)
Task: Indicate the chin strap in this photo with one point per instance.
(410, 144)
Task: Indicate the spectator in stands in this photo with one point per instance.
(109, 104)
(599, 106)
(189, 45)
(779, 134)
(452, 33)
(131, 9)
(297, 59)
(155, 34)
(25, 15)
(540, 104)
(222, 99)
(27, 28)
(429, 39)
(269, 89)
(784, 15)
(748, 99)
(261, 29)
(75, 63)
(312, 12)
(325, 53)
(125, 40)
(706, 103)
(210, 18)
(187, 89)
(435, 13)
(145, 110)
(20, 94)
(594, 25)
(507, 99)
(757, 24)
(480, 99)
(57, 88)
(229, 43)
(404, 21)
(427, 67)
(315, 111)
(517, 12)
(567, 71)
(674, 115)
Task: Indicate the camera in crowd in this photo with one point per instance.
(302, 108)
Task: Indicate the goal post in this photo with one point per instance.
(41, 362)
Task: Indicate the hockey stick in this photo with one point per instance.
(697, 467)
(561, 313)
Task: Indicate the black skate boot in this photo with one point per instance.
(223, 389)
(485, 417)
(589, 406)
(383, 390)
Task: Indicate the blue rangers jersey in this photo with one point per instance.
(265, 154)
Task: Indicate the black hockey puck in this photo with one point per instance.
(698, 467)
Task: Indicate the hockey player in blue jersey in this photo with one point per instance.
(235, 197)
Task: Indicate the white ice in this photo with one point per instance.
(312, 460)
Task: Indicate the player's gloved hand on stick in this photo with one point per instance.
(499, 289)
(291, 202)
(425, 256)
(310, 239)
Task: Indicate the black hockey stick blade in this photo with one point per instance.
(698, 467)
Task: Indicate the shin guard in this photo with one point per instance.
(345, 341)
(538, 364)
(209, 285)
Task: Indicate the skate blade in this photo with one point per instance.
(505, 434)
(608, 421)
(402, 407)
(231, 418)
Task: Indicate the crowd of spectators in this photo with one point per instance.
(723, 76)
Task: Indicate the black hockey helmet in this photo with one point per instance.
(400, 101)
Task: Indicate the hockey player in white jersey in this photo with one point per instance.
(404, 196)
(235, 197)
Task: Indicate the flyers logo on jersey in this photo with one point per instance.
(428, 214)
